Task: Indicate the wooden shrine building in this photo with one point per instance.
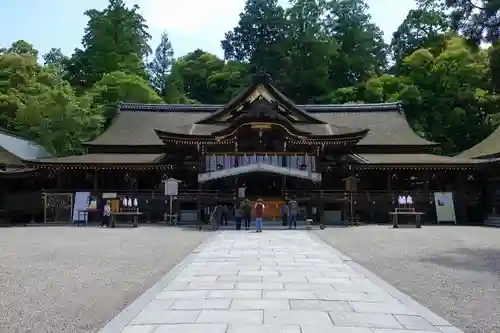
(273, 148)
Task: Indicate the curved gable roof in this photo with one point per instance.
(489, 147)
(135, 124)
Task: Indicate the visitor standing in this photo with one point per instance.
(285, 214)
(247, 213)
(106, 214)
(225, 212)
(237, 217)
(259, 215)
(293, 207)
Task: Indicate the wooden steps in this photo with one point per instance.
(492, 221)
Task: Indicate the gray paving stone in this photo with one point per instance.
(192, 328)
(289, 277)
(323, 329)
(192, 278)
(265, 329)
(260, 304)
(364, 320)
(239, 278)
(328, 280)
(140, 329)
(202, 304)
(308, 286)
(250, 317)
(378, 307)
(235, 294)
(172, 294)
(258, 273)
(317, 305)
(355, 297)
(259, 286)
(383, 330)
(279, 282)
(289, 294)
(448, 329)
(284, 317)
(154, 316)
(414, 323)
(216, 285)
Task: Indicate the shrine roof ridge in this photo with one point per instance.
(311, 108)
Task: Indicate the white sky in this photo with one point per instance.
(202, 23)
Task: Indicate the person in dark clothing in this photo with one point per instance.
(246, 208)
(238, 216)
(225, 212)
(293, 207)
(285, 213)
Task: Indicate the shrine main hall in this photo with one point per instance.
(339, 161)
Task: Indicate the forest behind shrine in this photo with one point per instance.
(442, 64)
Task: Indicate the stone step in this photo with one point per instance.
(492, 221)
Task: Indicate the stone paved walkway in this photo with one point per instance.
(276, 282)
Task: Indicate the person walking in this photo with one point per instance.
(246, 208)
(285, 213)
(237, 216)
(293, 207)
(259, 215)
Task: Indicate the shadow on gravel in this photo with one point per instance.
(480, 260)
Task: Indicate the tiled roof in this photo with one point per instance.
(135, 124)
(23, 148)
(414, 159)
(486, 148)
(102, 159)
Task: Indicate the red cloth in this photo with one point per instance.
(259, 210)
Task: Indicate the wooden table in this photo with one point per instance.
(135, 218)
(395, 218)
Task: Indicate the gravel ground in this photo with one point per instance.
(67, 279)
(455, 271)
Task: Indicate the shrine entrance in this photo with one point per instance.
(262, 185)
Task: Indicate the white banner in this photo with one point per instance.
(445, 208)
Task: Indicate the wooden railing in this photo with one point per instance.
(373, 196)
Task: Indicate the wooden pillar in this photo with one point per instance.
(389, 180)
(426, 180)
(59, 180)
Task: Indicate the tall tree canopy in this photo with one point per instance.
(322, 51)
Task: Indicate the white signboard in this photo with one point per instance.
(241, 192)
(171, 187)
(445, 208)
(81, 203)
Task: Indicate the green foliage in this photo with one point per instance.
(316, 51)
(118, 87)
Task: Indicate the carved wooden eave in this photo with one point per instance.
(190, 139)
(261, 89)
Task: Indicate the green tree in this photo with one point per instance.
(477, 20)
(115, 39)
(56, 60)
(258, 37)
(362, 52)
(208, 79)
(21, 47)
(121, 87)
(421, 28)
(308, 54)
(56, 118)
(159, 68)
